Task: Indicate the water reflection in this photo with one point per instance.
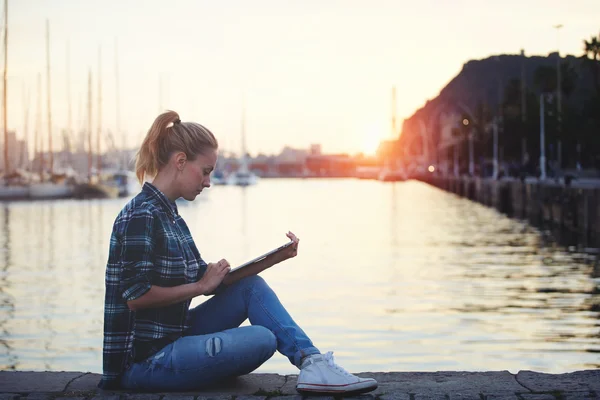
(7, 305)
(391, 276)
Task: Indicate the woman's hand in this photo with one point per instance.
(288, 252)
(212, 278)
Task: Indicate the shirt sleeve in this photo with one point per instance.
(137, 254)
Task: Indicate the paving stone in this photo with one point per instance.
(395, 396)
(251, 398)
(579, 396)
(39, 396)
(450, 383)
(537, 396)
(216, 397)
(291, 397)
(462, 396)
(579, 381)
(247, 385)
(319, 398)
(143, 396)
(106, 396)
(85, 382)
(9, 396)
(432, 396)
(501, 397)
(27, 382)
(177, 397)
(289, 387)
(70, 398)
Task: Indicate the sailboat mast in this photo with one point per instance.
(243, 131)
(99, 133)
(160, 94)
(90, 126)
(4, 113)
(50, 153)
(39, 152)
(24, 152)
(69, 107)
(118, 104)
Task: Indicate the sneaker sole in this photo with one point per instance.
(324, 389)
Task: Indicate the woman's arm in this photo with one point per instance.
(159, 296)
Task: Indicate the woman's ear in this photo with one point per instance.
(180, 159)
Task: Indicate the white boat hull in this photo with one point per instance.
(13, 192)
(49, 190)
(242, 179)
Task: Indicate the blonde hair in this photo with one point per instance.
(167, 135)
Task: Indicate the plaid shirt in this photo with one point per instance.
(150, 245)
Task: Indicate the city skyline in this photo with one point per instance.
(307, 73)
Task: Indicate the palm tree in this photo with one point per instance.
(591, 57)
(544, 79)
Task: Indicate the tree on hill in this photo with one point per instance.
(591, 57)
(510, 86)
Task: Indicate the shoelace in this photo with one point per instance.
(328, 357)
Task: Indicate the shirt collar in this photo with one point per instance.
(153, 192)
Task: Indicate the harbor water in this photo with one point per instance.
(390, 276)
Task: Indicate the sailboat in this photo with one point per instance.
(59, 186)
(125, 179)
(12, 186)
(243, 176)
(95, 187)
(392, 171)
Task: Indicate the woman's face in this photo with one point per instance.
(195, 175)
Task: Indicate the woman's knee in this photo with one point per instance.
(253, 282)
(264, 339)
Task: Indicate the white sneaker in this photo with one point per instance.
(320, 374)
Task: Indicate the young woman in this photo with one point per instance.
(153, 341)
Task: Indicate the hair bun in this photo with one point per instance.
(177, 121)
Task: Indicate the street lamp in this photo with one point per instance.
(542, 138)
(558, 95)
(495, 162)
(465, 122)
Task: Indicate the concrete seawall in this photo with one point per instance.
(447, 385)
(574, 208)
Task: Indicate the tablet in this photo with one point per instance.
(262, 257)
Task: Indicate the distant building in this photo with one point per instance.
(331, 165)
(315, 149)
(18, 154)
(290, 155)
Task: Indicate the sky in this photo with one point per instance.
(311, 71)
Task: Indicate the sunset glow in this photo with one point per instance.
(307, 74)
(373, 137)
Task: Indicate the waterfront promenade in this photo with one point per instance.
(447, 385)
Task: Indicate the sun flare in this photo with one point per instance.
(371, 140)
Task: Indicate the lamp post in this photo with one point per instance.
(495, 162)
(456, 170)
(465, 122)
(558, 95)
(542, 139)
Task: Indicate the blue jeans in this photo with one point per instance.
(216, 347)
